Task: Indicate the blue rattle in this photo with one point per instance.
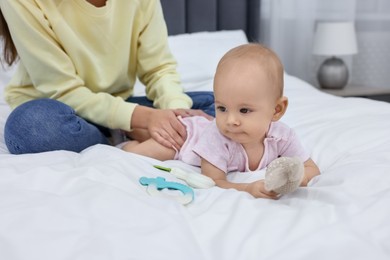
(155, 185)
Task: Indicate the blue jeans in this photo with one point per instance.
(47, 125)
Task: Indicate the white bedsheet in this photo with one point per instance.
(64, 205)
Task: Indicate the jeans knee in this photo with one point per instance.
(203, 100)
(31, 123)
(46, 125)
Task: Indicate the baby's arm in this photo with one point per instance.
(256, 189)
(311, 170)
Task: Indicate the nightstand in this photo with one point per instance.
(352, 90)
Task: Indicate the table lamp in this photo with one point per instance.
(334, 39)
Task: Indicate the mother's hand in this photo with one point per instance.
(166, 128)
(163, 125)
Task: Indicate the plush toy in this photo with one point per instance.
(284, 175)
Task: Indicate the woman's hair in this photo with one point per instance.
(10, 55)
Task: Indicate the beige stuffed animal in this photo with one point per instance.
(284, 175)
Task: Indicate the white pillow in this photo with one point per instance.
(198, 54)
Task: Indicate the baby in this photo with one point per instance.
(246, 134)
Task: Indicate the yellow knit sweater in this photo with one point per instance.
(89, 57)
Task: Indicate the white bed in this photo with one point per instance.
(64, 205)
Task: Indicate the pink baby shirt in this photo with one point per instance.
(205, 140)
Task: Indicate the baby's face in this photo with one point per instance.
(244, 101)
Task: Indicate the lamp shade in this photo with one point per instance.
(335, 38)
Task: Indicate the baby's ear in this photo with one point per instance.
(280, 108)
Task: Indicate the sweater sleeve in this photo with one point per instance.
(156, 64)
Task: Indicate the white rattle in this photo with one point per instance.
(193, 179)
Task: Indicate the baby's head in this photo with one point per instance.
(248, 89)
(256, 61)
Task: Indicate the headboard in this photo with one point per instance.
(187, 16)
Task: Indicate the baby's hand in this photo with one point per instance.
(257, 190)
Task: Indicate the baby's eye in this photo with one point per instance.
(221, 108)
(244, 110)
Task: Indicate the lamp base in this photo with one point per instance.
(333, 74)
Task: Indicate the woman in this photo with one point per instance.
(78, 62)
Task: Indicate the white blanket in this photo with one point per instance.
(64, 205)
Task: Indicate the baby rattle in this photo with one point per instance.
(284, 175)
(193, 179)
